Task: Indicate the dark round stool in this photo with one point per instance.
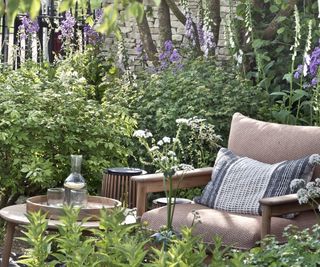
(116, 184)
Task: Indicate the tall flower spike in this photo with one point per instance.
(67, 26)
(27, 27)
(208, 38)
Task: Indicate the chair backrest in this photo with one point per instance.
(272, 142)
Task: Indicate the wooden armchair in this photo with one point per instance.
(266, 142)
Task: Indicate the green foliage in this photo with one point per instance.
(40, 242)
(200, 89)
(270, 58)
(72, 249)
(302, 249)
(180, 253)
(118, 244)
(45, 118)
(92, 67)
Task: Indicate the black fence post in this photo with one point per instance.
(40, 52)
(5, 38)
(17, 62)
(51, 14)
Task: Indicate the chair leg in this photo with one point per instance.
(265, 221)
(8, 244)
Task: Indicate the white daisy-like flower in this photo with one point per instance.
(182, 121)
(139, 133)
(297, 184)
(142, 134)
(148, 134)
(166, 139)
(171, 153)
(303, 197)
(160, 143)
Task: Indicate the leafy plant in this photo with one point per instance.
(201, 88)
(118, 244)
(38, 240)
(43, 120)
(270, 38)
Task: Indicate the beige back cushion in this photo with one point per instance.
(271, 142)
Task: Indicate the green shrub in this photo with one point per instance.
(200, 89)
(118, 244)
(92, 67)
(42, 122)
(302, 249)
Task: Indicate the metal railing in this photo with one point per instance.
(45, 43)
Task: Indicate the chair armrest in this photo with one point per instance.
(275, 206)
(154, 183)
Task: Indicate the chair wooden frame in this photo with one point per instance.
(272, 206)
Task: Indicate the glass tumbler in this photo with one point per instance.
(79, 198)
(55, 197)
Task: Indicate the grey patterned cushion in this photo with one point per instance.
(238, 183)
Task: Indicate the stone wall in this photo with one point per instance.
(131, 33)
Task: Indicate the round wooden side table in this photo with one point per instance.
(14, 216)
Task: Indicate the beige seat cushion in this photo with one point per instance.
(238, 230)
(271, 142)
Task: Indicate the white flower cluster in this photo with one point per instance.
(184, 167)
(165, 140)
(192, 122)
(142, 134)
(306, 192)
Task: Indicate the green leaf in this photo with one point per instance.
(281, 30)
(157, 2)
(1, 8)
(110, 19)
(90, 21)
(12, 10)
(281, 19)
(95, 4)
(258, 43)
(136, 10)
(287, 77)
(274, 9)
(278, 94)
(35, 8)
(65, 5)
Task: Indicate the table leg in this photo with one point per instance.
(8, 244)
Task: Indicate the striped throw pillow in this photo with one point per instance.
(238, 183)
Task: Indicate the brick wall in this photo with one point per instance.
(131, 34)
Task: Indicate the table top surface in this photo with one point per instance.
(17, 214)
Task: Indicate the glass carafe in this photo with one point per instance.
(75, 180)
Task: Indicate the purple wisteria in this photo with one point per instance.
(204, 32)
(189, 30)
(91, 35)
(200, 33)
(27, 27)
(67, 27)
(208, 41)
(141, 54)
(310, 67)
(170, 55)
